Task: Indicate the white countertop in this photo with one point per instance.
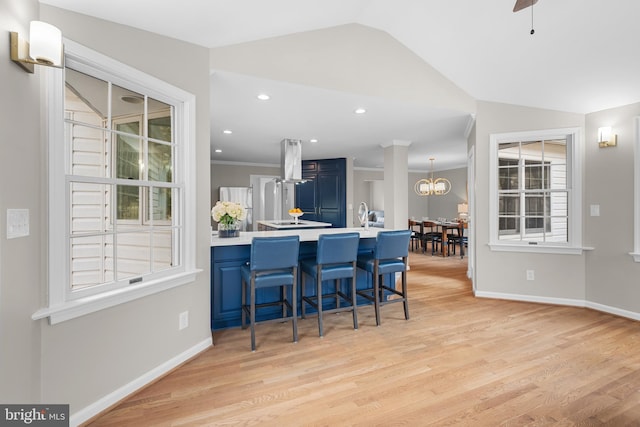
(285, 224)
(306, 235)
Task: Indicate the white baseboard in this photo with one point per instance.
(531, 298)
(613, 310)
(561, 301)
(116, 396)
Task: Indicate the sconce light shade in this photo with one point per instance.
(606, 138)
(46, 44)
(45, 47)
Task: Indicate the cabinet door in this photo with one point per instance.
(306, 196)
(328, 199)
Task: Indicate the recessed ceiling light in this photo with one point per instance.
(227, 131)
(217, 150)
(263, 97)
(313, 140)
(359, 111)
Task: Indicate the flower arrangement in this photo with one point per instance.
(228, 213)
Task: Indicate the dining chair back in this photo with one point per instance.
(388, 257)
(335, 260)
(273, 263)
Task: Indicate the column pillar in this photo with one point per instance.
(396, 184)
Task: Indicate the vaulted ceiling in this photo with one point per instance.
(582, 57)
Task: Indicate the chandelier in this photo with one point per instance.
(432, 186)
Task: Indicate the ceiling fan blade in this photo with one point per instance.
(522, 4)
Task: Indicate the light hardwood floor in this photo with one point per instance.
(459, 360)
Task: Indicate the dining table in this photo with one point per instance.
(443, 227)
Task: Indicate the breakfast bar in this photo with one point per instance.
(229, 254)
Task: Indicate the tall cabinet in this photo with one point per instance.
(323, 197)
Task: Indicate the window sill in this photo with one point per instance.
(635, 255)
(76, 308)
(541, 249)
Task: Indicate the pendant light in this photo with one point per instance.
(432, 186)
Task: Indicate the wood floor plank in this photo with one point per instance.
(458, 361)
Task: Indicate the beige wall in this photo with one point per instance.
(87, 358)
(611, 274)
(556, 276)
(21, 181)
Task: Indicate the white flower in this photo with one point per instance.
(228, 212)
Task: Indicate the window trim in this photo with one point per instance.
(575, 150)
(59, 307)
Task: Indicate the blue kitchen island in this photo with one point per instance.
(229, 254)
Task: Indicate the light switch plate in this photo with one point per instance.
(595, 210)
(17, 223)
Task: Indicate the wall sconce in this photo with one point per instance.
(606, 138)
(45, 47)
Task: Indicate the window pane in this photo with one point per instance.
(86, 98)
(160, 165)
(91, 261)
(160, 120)
(559, 230)
(125, 102)
(127, 160)
(160, 204)
(88, 154)
(88, 207)
(133, 254)
(162, 244)
(128, 202)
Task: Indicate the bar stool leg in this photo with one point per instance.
(404, 295)
(319, 300)
(376, 291)
(354, 298)
(303, 312)
(294, 304)
(252, 314)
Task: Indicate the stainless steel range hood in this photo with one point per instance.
(291, 161)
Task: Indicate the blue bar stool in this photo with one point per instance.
(389, 256)
(274, 262)
(335, 259)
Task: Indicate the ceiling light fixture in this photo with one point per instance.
(432, 186)
(313, 140)
(227, 131)
(359, 111)
(45, 47)
(217, 150)
(263, 97)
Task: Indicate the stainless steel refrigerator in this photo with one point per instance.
(243, 196)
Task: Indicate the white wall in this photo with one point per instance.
(351, 58)
(611, 274)
(559, 277)
(87, 358)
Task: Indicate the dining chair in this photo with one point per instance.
(432, 235)
(335, 260)
(389, 256)
(455, 238)
(273, 263)
(417, 231)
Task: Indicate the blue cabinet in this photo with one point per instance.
(324, 196)
(226, 291)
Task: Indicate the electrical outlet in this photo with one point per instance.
(530, 275)
(183, 320)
